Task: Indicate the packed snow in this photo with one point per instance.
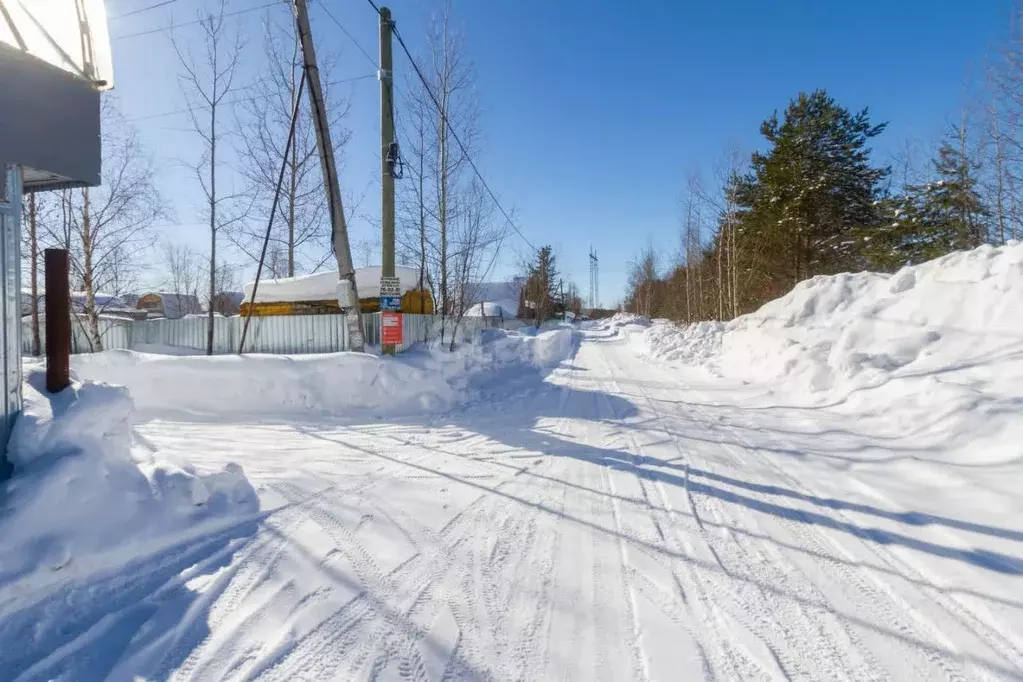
(825, 489)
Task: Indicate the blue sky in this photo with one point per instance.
(594, 112)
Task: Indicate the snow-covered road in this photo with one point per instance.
(614, 521)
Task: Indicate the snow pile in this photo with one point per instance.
(340, 384)
(835, 335)
(694, 344)
(80, 491)
(547, 349)
(322, 286)
(620, 320)
(273, 385)
(846, 332)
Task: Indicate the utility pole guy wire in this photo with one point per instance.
(273, 209)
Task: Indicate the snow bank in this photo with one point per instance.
(80, 490)
(547, 349)
(322, 286)
(841, 333)
(619, 320)
(694, 344)
(340, 384)
(835, 335)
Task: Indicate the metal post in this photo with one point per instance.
(388, 154)
(339, 229)
(58, 321)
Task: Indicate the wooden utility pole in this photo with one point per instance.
(388, 154)
(348, 295)
(564, 310)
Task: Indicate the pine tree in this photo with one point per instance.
(805, 197)
(952, 205)
(935, 218)
(539, 298)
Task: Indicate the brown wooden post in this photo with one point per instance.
(58, 320)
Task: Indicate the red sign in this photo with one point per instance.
(390, 329)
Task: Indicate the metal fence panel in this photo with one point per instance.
(291, 334)
(295, 334)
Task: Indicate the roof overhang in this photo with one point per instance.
(68, 34)
(49, 122)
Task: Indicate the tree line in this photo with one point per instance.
(814, 202)
(446, 220)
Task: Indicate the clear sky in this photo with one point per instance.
(595, 111)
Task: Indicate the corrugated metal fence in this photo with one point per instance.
(291, 334)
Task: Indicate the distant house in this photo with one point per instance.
(169, 305)
(109, 305)
(503, 294)
(228, 302)
(489, 309)
(106, 304)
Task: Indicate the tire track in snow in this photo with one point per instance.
(810, 539)
(827, 626)
(467, 519)
(926, 627)
(997, 642)
(735, 642)
(844, 650)
(517, 634)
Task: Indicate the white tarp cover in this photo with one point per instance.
(322, 286)
(50, 30)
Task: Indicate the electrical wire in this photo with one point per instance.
(191, 23)
(143, 9)
(350, 36)
(454, 135)
(240, 99)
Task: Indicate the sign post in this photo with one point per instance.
(391, 329)
(390, 315)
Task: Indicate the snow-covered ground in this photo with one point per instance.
(633, 501)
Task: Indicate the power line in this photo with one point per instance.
(143, 9)
(454, 135)
(240, 99)
(350, 36)
(191, 23)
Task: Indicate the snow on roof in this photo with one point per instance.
(102, 300)
(176, 305)
(489, 309)
(322, 286)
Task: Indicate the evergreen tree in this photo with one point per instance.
(952, 205)
(538, 299)
(805, 196)
(933, 219)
